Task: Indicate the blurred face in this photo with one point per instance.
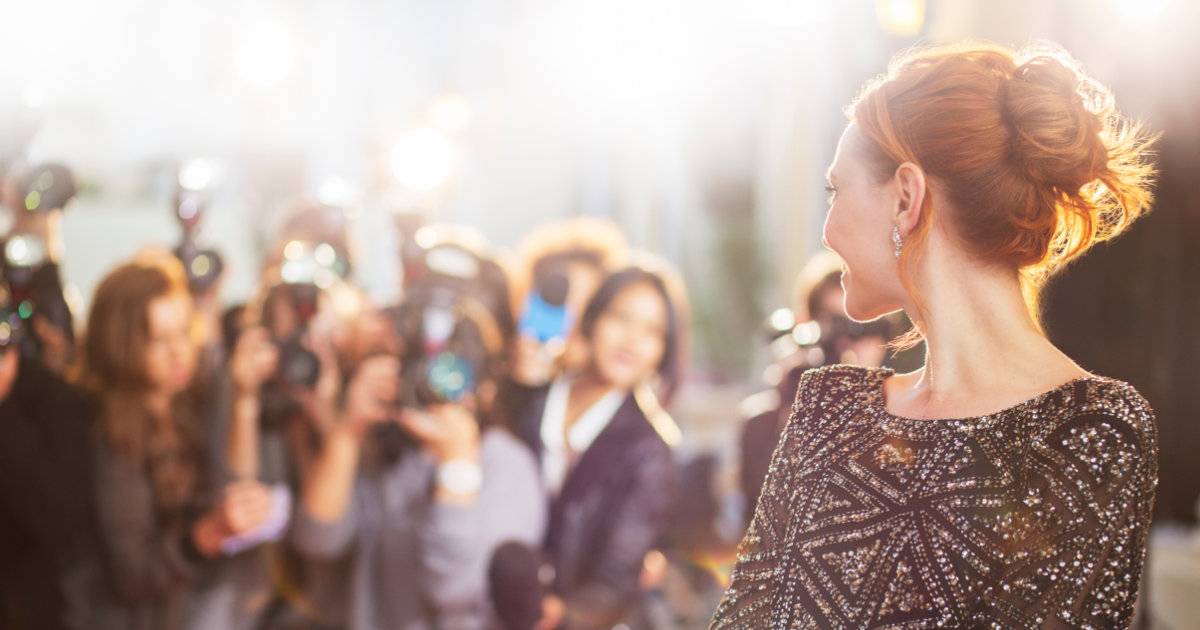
(368, 334)
(281, 318)
(831, 304)
(859, 229)
(629, 338)
(170, 359)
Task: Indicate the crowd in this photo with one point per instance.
(492, 451)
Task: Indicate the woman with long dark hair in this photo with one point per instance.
(159, 526)
(1001, 485)
(604, 445)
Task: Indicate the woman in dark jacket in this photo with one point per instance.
(158, 532)
(604, 447)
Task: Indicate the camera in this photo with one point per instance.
(203, 266)
(46, 188)
(445, 351)
(29, 274)
(12, 327)
(450, 339)
(288, 309)
(820, 340)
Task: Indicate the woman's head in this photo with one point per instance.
(1015, 160)
(635, 328)
(140, 334)
(818, 289)
(140, 343)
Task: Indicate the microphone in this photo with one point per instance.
(515, 587)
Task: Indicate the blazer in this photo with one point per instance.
(610, 512)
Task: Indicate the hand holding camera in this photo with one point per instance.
(370, 395)
(449, 432)
(255, 359)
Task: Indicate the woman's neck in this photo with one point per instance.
(587, 388)
(158, 403)
(981, 343)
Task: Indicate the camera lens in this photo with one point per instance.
(448, 378)
(298, 365)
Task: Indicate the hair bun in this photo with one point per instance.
(1057, 117)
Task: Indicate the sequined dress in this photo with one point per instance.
(1035, 516)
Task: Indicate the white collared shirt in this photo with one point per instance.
(557, 446)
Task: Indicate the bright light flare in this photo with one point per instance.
(901, 17)
(197, 174)
(1142, 11)
(423, 159)
(451, 112)
(266, 54)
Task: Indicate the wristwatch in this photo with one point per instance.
(460, 476)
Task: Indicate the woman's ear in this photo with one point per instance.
(911, 187)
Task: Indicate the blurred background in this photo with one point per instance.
(702, 128)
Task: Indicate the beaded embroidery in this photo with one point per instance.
(1036, 513)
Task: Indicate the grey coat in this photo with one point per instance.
(419, 564)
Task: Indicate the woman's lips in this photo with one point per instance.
(624, 358)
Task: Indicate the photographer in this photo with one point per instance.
(275, 346)
(822, 336)
(162, 520)
(46, 524)
(408, 481)
(287, 358)
(562, 265)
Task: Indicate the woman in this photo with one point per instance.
(411, 485)
(157, 530)
(604, 447)
(1001, 485)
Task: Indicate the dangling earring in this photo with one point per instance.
(896, 239)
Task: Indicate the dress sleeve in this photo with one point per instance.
(747, 601)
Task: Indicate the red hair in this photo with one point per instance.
(1031, 153)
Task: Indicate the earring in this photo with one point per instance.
(896, 239)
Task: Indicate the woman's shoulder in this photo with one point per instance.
(1094, 409)
(828, 401)
(1102, 394)
(664, 433)
(1100, 434)
(839, 381)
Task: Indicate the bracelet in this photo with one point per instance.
(460, 476)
